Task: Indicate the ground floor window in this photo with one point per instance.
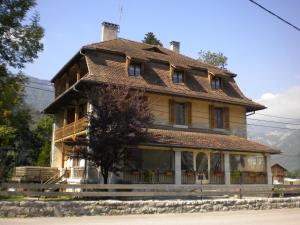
(248, 169)
(187, 161)
(149, 166)
(141, 159)
(202, 166)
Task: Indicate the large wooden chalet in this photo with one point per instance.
(200, 116)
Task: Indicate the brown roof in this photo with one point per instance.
(197, 140)
(108, 69)
(278, 165)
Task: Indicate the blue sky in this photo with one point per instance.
(262, 50)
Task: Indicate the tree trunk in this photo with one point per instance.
(105, 175)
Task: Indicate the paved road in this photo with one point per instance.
(266, 217)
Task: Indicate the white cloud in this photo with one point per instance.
(267, 96)
(285, 104)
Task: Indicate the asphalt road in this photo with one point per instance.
(265, 217)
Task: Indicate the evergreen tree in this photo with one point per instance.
(151, 39)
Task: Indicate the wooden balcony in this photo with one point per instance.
(71, 128)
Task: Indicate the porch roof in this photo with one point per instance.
(201, 140)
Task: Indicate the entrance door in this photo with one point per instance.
(202, 168)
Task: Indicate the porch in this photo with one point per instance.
(150, 166)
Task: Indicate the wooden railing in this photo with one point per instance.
(77, 172)
(248, 177)
(71, 128)
(188, 177)
(134, 190)
(34, 173)
(217, 178)
(149, 177)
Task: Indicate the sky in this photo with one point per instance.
(261, 49)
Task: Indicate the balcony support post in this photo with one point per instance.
(177, 167)
(227, 168)
(268, 168)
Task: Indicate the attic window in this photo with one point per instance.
(177, 77)
(216, 83)
(134, 69)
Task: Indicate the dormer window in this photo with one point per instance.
(134, 69)
(216, 83)
(177, 77)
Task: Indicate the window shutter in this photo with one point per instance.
(171, 111)
(146, 98)
(171, 72)
(226, 118)
(184, 76)
(127, 64)
(142, 68)
(211, 116)
(188, 114)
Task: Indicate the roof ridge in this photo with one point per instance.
(182, 55)
(168, 51)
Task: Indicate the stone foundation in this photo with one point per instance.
(112, 207)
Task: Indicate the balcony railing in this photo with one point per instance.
(188, 177)
(248, 177)
(217, 178)
(77, 172)
(149, 177)
(71, 128)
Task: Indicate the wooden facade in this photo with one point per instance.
(192, 105)
(278, 173)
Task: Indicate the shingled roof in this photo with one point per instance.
(201, 140)
(158, 79)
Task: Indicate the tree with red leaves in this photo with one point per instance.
(119, 118)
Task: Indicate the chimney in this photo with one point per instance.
(109, 31)
(175, 46)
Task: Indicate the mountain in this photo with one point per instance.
(38, 94)
(287, 141)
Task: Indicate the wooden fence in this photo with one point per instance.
(133, 190)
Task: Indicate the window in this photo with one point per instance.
(216, 83)
(134, 69)
(180, 113)
(187, 161)
(219, 122)
(219, 117)
(144, 159)
(177, 77)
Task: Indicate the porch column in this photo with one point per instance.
(86, 162)
(76, 111)
(227, 167)
(178, 167)
(53, 145)
(268, 169)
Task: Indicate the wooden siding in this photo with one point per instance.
(159, 105)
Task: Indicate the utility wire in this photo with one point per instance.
(273, 121)
(286, 128)
(272, 13)
(234, 122)
(279, 117)
(38, 88)
(34, 82)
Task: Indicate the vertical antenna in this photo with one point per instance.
(120, 13)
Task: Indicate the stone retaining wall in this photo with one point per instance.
(111, 207)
